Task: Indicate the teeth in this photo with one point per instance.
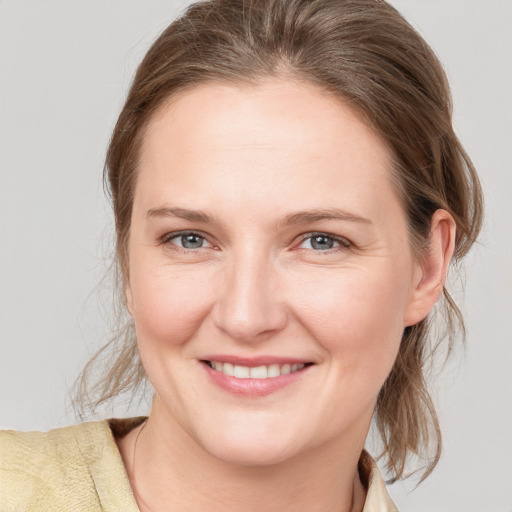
(259, 372)
(273, 370)
(256, 372)
(226, 368)
(241, 372)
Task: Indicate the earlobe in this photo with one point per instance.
(433, 268)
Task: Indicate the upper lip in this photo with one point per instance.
(252, 362)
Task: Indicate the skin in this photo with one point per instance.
(252, 158)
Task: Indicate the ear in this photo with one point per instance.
(432, 268)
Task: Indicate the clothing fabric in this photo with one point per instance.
(79, 469)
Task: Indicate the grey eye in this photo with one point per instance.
(191, 241)
(187, 240)
(322, 242)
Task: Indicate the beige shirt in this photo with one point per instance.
(79, 469)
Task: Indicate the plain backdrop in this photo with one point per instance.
(65, 68)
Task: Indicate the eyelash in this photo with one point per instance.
(344, 243)
(166, 240)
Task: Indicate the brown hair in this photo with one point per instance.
(365, 53)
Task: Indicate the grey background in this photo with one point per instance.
(65, 67)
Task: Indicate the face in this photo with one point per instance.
(270, 271)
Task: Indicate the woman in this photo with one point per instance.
(288, 193)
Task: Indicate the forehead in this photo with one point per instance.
(261, 114)
(276, 141)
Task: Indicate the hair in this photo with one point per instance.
(367, 55)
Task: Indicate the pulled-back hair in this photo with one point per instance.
(366, 54)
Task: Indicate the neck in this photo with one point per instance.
(169, 471)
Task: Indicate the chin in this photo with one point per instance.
(255, 456)
(263, 449)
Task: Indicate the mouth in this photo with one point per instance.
(260, 372)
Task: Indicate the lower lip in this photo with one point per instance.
(253, 387)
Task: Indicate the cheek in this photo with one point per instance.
(169, 305)
(355, 315)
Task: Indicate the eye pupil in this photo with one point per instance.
(322, 242)
(191, 241)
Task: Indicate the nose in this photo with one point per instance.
(250, 308)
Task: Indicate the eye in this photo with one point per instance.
(187, 240)
(323, 242)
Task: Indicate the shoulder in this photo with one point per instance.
(72, 468)
(41, 469)
(377, 497)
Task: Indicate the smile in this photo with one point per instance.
(256, 372)
(255, 376)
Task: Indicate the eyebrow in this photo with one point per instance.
(182, 213)
(302, 217)
(308, 216)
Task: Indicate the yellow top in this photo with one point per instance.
(79, 469)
